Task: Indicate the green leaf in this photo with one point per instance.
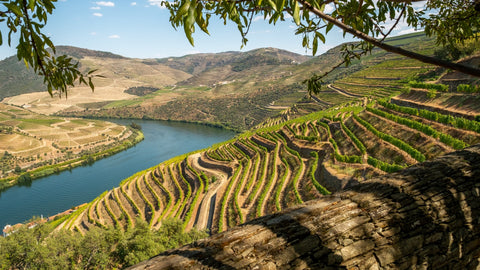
(92, 71)
(14, 8)
(315, 45)
(272, 4)
(91, 84)
(320, 36)
(182, 10)
(280, 4)
(296, 13)
(329, 27)
(31, 4)
(188, 33)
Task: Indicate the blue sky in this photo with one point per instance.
(141, 29)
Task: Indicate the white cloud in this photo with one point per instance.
(95, 8)
(105, 3)
(97, 14)
(419, 5)
(114, 36)
(93, 33)
(328, 9)
(133, 3)
(408, 31)
(260, 18)
(157, 3)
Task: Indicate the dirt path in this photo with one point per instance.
(364, 84)
(206, 203)
(285, 183)
(343, 92)
(320, 101)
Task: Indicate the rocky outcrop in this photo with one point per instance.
(426, 216)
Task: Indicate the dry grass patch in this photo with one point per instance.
(16, 142)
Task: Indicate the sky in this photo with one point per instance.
(141, 29)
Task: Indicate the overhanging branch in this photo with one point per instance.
(397, 50)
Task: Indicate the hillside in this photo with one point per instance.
(120, 74)
(33, 145)
(197, 63)
(16, 79)
(420, 218)
(278, 167)
(240, 90)
(374, 120)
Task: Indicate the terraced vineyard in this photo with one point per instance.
(273, 168)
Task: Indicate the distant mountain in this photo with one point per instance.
(16, 79)
(236, 89)
(80, 53)
(197, 63)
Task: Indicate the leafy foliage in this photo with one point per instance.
(27, 18)
(429, 86)
(445, 138)
(468, 88)
(41, 248)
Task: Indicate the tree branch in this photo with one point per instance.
(32, 40)
(423, 58)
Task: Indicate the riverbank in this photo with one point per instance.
(225, 126)
(86, 158)
(58, 192)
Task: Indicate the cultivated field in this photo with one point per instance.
(29, 140)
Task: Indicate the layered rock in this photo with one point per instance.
(426, 216)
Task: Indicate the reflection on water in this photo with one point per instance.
(56, 193)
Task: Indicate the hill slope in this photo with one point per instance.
(418, 218)
(241, 90)
(274, 168)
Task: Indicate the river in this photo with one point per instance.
(56, 193)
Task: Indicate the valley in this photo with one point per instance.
(382, 114)
(278, 167)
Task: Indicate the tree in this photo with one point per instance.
(450, 22)
(27, 19)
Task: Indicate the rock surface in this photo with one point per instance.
(424, 217)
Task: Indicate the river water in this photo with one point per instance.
(56, 193)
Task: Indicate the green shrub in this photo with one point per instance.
(432, 93)
(428, 86)
(468, 88)
(315, 183)
(389, 168)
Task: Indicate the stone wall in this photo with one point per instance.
(424, 217)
